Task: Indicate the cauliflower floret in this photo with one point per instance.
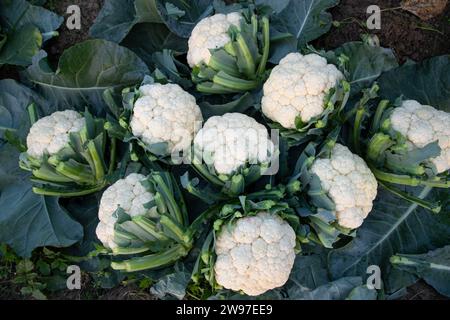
(51, 134)
(422, 125)
(210, 33)
(297, 87)
(256, 255)
(166, 113)
(349, 183)
(230, 141)
(128, 194)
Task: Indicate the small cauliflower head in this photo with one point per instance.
(233, 140)
(51, 134)
(349, 182)
(210, 33)
(128, 194)
(297, 88)
(166, 113)
(255, 255)
(422, 125)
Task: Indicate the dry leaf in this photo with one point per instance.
(425, 9)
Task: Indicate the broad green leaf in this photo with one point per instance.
(241, 104)
(84, 72)
(27, 220)
(362, 293)
(276, 5)
(307, 20)
(427, 82)
(18, 13)
(172, 285)
(14, 100)
(433, 267)
(194, 12)
(21, 46)
(393, 226)
(366, 63)
(309, 272)
(147, 38)
(84, 211)
(336, 290)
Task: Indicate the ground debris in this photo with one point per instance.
(425, 9)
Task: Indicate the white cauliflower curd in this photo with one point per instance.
(422, 125)
(128, 194)
(233, 140)
(349, 182)
(255, 255)
(297, 88)
(210, 33)
(166, 113)
(52, 133)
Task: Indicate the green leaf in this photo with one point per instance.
(309, 272)
(172, 285)
(118, 17)
(307, 20)
(14, 100)
(336, 290)
(427, 82)
(241, 104)
(84, 72)
(433, 267)
(147, 38)
(27, 220)
(393, 226)
(276, 5)
(21, 46)
(366, 63)
(362, 293)
(19, 13)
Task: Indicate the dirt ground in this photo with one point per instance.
(410, 37)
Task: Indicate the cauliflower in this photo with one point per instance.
(210, 33)
(166, 113)
(50, 134)
(128, 194)
(297, 88)
(256, 254)
(68, 154)
(348, 181)
(228, 53)
(231, 141)
(422, 125)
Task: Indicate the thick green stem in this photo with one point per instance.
(249, 63)
(112, 155)
(33, 113)
(75, 171)
(151, 261)
(213, 88)
(357, 129)
(234, 83)
(378, 115)
(99, 169)
(128, 251)
(266, 49)
(52, 193)
(436, 208)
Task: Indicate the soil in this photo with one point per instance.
(410, 37)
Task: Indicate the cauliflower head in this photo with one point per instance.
(166, 113)
(210, 33)
(349, 182)
(297, 88)
(52, 133)
(128, 194)
(422, 125)
(230, 141)
(256, 254)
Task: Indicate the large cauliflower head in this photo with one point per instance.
(230, 141)
(52, 133)
(166, 113)
(297, 88)
(210, 33)
(255, 255)
(422, 125)
(349, 182)
(128, 194)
